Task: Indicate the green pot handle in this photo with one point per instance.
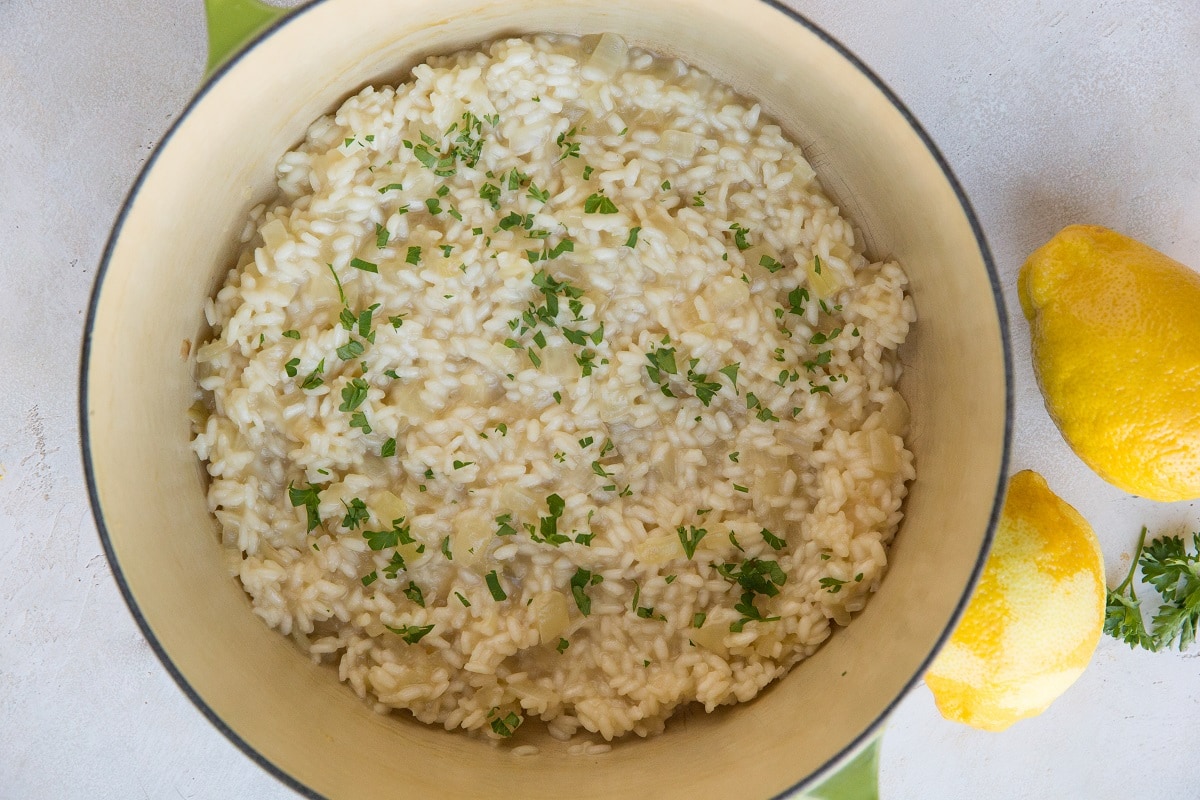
(857, 780)
(232, 23)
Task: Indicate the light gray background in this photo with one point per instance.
(1050, 112)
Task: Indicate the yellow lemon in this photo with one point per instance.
(1034, 620)
(1116, 347)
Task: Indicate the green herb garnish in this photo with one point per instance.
(580, 581)
(690, 537)
(770, 264)
(411, 633)
(353, 394)
(310, 498)
(493, 584)
(314, 378)
(598, 203)
(774, 541)
(356, 514)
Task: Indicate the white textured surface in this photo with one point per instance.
(1050, 112)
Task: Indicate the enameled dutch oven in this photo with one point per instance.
(177, 235)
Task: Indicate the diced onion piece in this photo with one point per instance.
(322, 290)
(388, 507)
(711, 637)
(726, 294)
(680, 145)
(826, 283)
(883, 451)
(476, 391)
(531, 693)
(665, 467)
(211, 351)
(414, 673)
(611, 54)
(515, 499)
(411, 553)
(718, 543)
(894, 414)
(803, 172)
(659, 548)
(274, 233)
(375, 468)
(657, 218)
(473, 529)
(198, 413)
(550, 616)
(407, 400)
(560, 362)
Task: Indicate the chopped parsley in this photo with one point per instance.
(633, 236)
(774, 541)
(770, 264)
(413, 592)
(388, 449)
(411, 633)
(598, 203)
(310, 498)
(739, 236)
(580, 581)
(291, 334)
(353, 394)
(338, 281)
(831, 585)
(491, 193)
(365, 266)
(570, 149)
(414, 255)
(690, 537)
(506, 528)
(356, 514)
(507, 725)
(314, 378)
(493, 584)
(350, 351)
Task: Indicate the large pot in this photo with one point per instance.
(177, 235)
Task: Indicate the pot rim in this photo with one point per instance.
(845, 754)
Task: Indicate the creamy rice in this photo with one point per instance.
(552, 386)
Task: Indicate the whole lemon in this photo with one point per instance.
(1035, 618)
(1116, 347)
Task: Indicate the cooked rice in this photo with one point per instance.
(807, 446)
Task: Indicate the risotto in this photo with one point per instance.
(551, 386)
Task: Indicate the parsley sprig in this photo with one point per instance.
(1174, 573)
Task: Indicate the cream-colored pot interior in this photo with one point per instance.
(178, 237)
